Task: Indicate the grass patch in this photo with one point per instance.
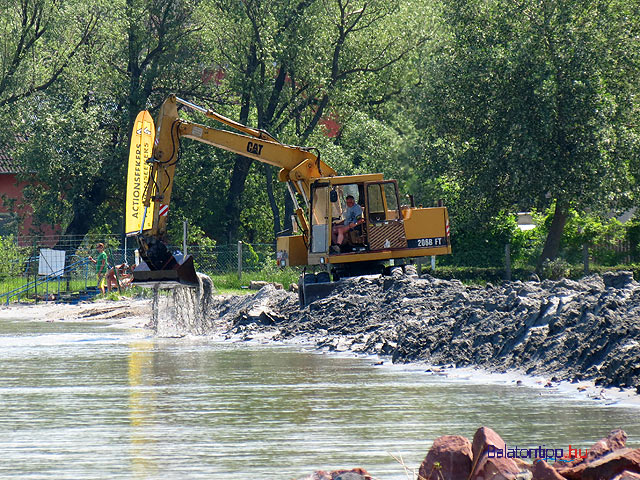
(229, 282)
(64, 287)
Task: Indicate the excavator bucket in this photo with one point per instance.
(159, 269)
(182, 274)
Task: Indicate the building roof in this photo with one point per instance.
(7, 163)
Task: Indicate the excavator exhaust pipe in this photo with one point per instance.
(160, 269)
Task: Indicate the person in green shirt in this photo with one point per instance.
(101, 266)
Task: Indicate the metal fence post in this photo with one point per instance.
(585, 258)
(507, 262)
(239, 260)
(433, 263)
(184, 238)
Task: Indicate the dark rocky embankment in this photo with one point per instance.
(570, 330)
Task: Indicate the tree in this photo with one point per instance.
(39, 40)
(293, 62)
(79, 127)
(533, 102)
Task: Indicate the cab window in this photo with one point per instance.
(382, 202)
(391, 198)
(319, 219)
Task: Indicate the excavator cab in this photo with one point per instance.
(381, 223)
(355, 239)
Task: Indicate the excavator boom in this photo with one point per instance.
(298, 167)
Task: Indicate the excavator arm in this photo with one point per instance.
(298, 168)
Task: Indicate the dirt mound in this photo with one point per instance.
(587, 329)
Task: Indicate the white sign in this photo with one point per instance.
(51, 262)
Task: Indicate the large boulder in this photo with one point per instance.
(449, 458)
(489, 457)
(495, 469)
(612, 464)
(616, 440)
(486, 438)
(573, 470)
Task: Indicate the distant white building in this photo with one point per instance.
(525, 221)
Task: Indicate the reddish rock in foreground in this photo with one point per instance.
(449, 458)
(612, 464)
(574, 470)
(483, 439)
(489, 457)
(616, 440)
(453, 457)
(543, 471)
(495, 469)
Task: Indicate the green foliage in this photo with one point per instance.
(250, 259)
(40, 39)
(555, 269)
(195, 234)
(12, 257)
(494, 106)
(525, 104)
(602, 236)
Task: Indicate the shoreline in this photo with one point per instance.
(578, 333)
(250, 320)
(124, 313)
(585, 390)
(272, 317)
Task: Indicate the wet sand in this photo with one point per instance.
(125, 313)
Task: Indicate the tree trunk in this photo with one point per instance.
(236, 188)
(272, 200)
(552, 243)
(242, 164)
(83, 217)
(288, 211)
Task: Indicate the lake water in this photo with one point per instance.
(84, 400)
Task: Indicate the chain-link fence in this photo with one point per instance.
(20, 262)
(490, 260)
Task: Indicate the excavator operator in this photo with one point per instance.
(352, 217)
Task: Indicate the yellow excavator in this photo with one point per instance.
(385, 231)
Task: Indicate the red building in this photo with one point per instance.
(16, 218)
